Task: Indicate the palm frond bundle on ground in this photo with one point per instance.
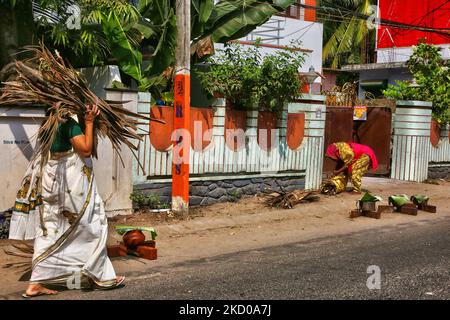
(287, 200)
(45, 79)
(328, 188)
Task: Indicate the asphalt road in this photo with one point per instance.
(413, 260)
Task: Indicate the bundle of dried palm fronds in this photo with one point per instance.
(328, 187)
(334, 185)
(45, 79)
(287, 200)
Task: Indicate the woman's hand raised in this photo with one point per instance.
(92, 111)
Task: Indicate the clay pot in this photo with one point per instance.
(133, 238)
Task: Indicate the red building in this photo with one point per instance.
(420, 20)
(431, 14)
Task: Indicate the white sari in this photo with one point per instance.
(66, 218)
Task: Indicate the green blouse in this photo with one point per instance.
(66, 131)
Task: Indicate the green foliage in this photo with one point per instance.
(236, 195)
(367, 197)
(418, 199)
(87, 45)
(128, 57)
(234, 74)
(398, 200)
(279, 80)
(151, 201)
(233, 19)
(142, 39)
(246, 78)
(432, 76)
(402, 91)
(343, 38)
(124, 229)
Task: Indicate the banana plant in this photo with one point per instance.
(142, 39)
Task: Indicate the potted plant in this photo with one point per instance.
(233, 74)
(278, 83)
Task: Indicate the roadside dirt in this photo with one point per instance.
(248, 224)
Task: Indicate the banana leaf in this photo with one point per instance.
(129, 58)
(398, 200)
(234, 19)
(367, 197)
(419, 199)
(124, 229)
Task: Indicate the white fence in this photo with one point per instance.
(219, 160)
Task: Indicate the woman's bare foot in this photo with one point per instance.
(119, 280)
(35, 290)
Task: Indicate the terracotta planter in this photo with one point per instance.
(201, 127)
(235, 126)
(295, 131)
(267, 121)
(438, 133)
(160, 133)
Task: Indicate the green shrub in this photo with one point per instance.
(246, 78)
(151, 201)
(432, 75)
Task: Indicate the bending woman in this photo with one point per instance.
(58, 206)
(356, 159)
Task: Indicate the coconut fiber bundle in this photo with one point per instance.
(45, 79)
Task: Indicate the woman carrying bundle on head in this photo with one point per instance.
(355, 160)
(58, 206)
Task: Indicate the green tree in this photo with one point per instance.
(347, 39)
(432, 76)
(141, 39)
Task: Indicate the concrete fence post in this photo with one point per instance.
(411, 141)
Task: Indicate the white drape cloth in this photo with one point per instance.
(70, 228)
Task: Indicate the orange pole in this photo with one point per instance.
(181, 120)
(181, 144)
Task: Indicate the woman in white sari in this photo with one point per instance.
(59, 207)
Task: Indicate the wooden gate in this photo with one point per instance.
(375, 132)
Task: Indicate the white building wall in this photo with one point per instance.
(389, 55)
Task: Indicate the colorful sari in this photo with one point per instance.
(58, 206)
(357, 157)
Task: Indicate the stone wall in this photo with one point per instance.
(439, 171)
(210, 191)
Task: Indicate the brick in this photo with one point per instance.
(427, 208)
(384, 208)
(117, 250)
(355, 214)
(146, 252)
(372, 214)
(409, 208)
